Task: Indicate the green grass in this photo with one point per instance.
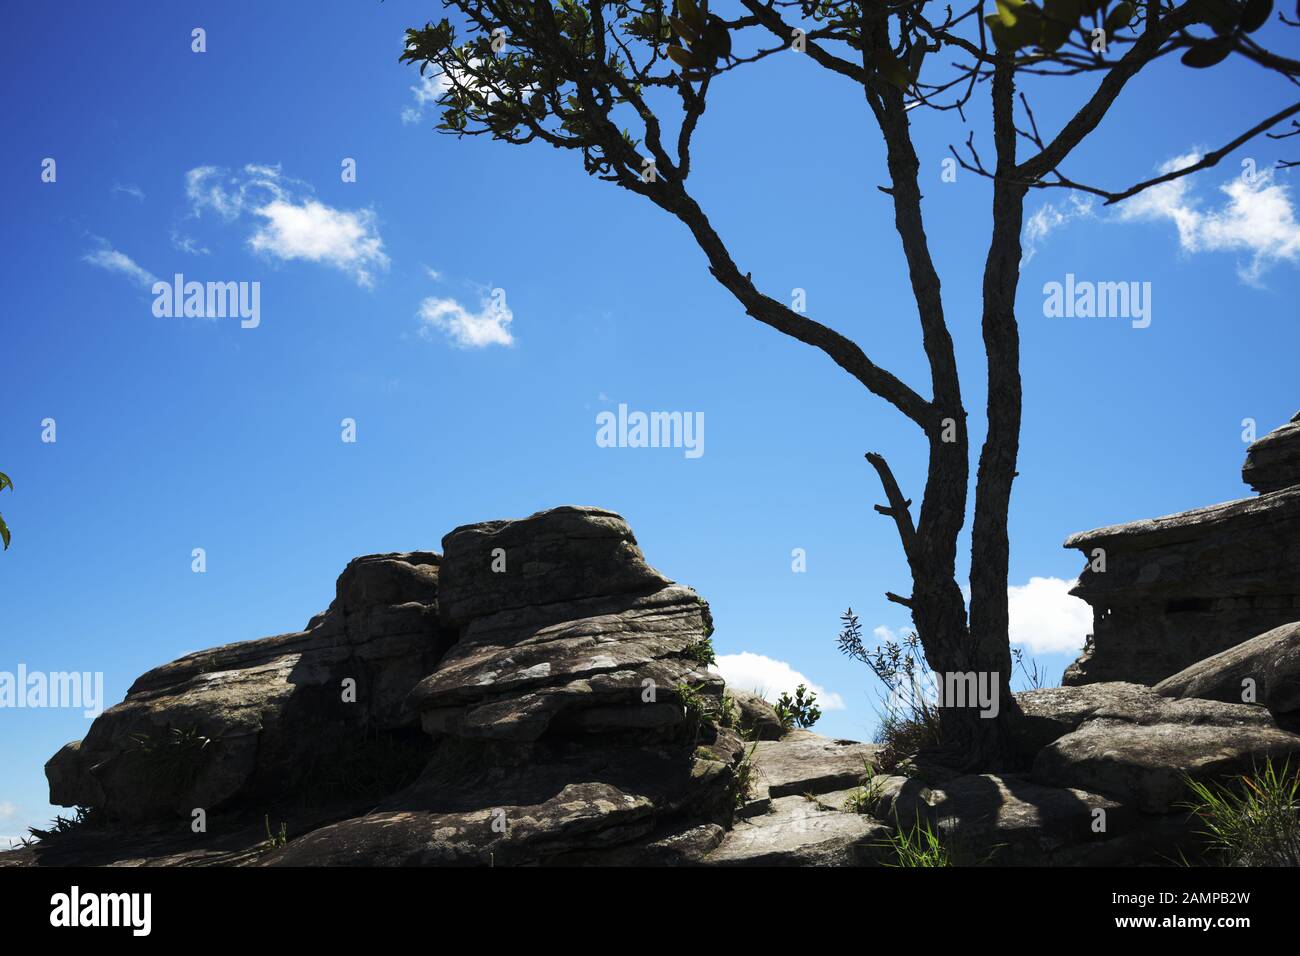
(275, 840)
(1253, 820)
(919, 846)
(864, 798)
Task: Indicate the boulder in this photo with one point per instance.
(573, 719)
(757, 718)
(1147, 765)
(494, 804)
(564, 554)
(564, 628)
(1266, 669)
(254, 720)
(1009, 820)
(804, 762)
(584, 663)
(1050, 713)
(1273, 462)
(803, 832)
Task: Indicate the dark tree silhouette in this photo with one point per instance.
(612, 81)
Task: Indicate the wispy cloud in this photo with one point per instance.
(769, 678)
(189, 244)
(293, 226)
(106, 257)
(131, 189)
(488, 326)
(426, 93)
(1256, 216)
(1049, 217)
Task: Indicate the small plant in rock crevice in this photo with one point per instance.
(745, 774)
(919, 846)
(701, 652)
(275, 840)
(865, 797)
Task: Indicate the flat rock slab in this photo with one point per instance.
(804, 762)
(798, 832)
(1010, 820)
(1146, 765)
(1051, 713)
(1268, 666)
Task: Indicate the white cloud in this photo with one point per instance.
(770, 678)
(106, 257)
(348, 241)
(1046, 618)
(1257, 217)
(8, 810)
(488, 326)
(1049, 217)
(292, 228)
(1043, 616)
(426, 93)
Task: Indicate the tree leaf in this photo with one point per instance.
(684, 30)
(1256, 14)
(5, 481)
(688, 59)
(4, 533)
(1007, 11)
(1119, 17)
(691, 14)
(1208, 53)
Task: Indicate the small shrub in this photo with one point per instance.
(1254, 821)
(903, 735)
(800, 710)
(744, 781)
(908, 712)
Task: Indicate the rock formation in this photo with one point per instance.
(1168, 592)
(560, 682)
(538, 694)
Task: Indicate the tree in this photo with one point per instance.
(4, 528)
(611, 80)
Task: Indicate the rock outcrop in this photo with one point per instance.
(541, 689)
(1168, 592)
(1273, 462)
(538, 694)
(1263, 670)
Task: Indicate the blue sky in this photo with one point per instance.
(183, 433)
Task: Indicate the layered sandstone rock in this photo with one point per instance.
(1168, 592)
